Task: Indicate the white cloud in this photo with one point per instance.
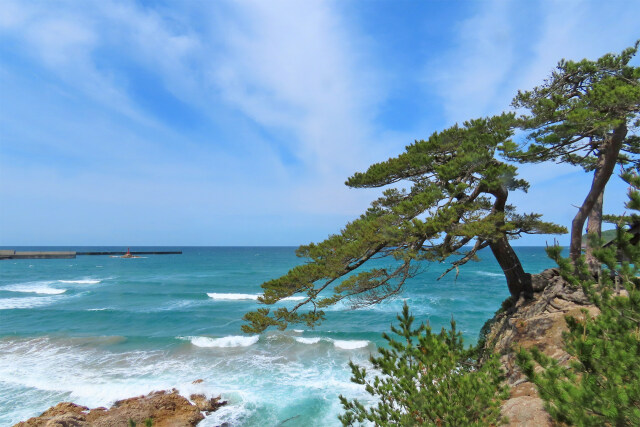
(291, 67)
(470, 78)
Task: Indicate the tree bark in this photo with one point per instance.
(608, 159)
(518, 281)
(594, 226)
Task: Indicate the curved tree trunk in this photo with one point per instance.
(518, 281)
(606, 162)
(594, 226)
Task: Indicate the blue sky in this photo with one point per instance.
(236, 123)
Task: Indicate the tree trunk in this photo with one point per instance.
(608, 159)
(594, 226)
(518, 282)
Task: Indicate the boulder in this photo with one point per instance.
(164, 408)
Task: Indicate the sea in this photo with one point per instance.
(96, 329)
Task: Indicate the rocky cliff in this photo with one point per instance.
(537, 322)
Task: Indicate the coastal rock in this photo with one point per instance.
(539, 322)
(165, 409)
(205, 404)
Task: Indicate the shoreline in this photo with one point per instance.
(166, 408)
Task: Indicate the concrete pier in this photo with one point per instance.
(11, 254)
(132, 253)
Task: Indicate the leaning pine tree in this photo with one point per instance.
(584, 114)
(456, 204)
(601, 385)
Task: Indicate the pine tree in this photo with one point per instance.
(583, 115)
(601, 385)
(428, 379)
(457, 197)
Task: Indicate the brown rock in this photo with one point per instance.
(207, 405)
(166, 409)
(540, 323)
(198, 381)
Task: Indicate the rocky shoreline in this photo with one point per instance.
(539, 322)
(158, 408)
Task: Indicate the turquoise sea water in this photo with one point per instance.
(96, 329)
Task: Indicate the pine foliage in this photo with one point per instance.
(456, 196)
(601, 385)
(428, 379)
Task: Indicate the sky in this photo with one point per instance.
(236, 123)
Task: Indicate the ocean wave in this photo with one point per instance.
(488, 273)
(82, 281)
(350, 344)
(232, 297)
(15, 303)
(303, 340)
(246, 297)
(224, 342)
(35, 288)
(341, 344)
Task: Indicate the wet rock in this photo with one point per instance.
(205, 404)
(165, 409)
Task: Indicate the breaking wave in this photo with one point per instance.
(244, 297)
(224, 342)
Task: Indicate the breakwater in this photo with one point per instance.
(132, 253)
(12, 254)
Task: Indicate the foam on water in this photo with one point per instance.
(232, 297)
(230, 341)
(340, 344)
(311, 340)
(350, 344)
(262, 388)
(22, 303)
(34, 287)
(247, 297)
(82, 281)
(489, 274)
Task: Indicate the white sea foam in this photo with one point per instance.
(230, 341)
(97, 309)
(309, 340)
(239, 297)
(82, 281)
(91, 375)
(488, 273)
(350, 344)
(298, 331)
(13, 303)
(35, 288)
(232, 297)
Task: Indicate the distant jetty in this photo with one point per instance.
(13, 254)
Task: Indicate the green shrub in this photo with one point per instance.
(601, 385)
(427, 379)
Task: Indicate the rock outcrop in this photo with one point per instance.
(538, 322)
(164, 408)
